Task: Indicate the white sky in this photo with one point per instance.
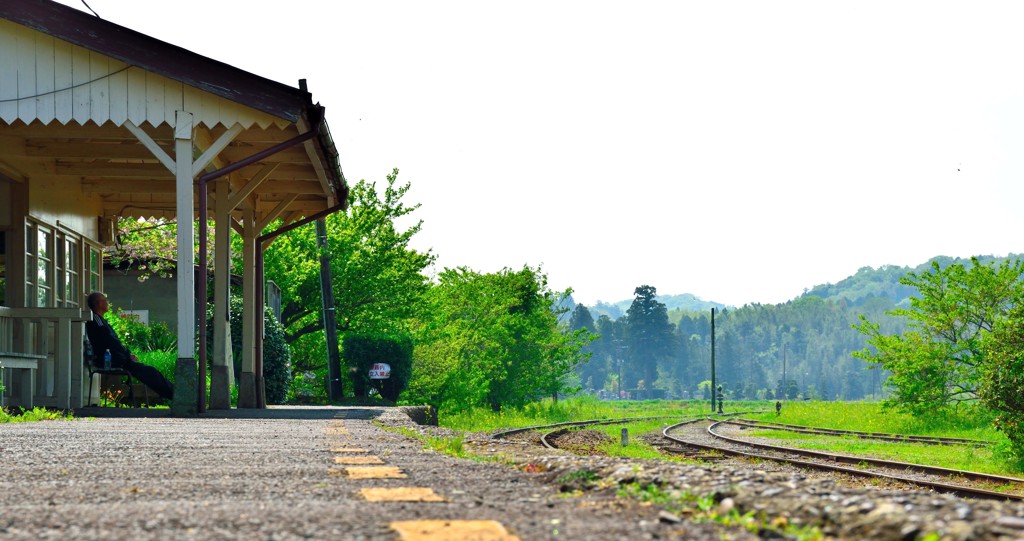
(739, 151)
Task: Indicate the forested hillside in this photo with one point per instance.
(809, 339)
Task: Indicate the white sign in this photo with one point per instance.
(380, 371)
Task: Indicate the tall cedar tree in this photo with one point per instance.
(648, 335)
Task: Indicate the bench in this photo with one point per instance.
(22, 369)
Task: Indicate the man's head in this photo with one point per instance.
(97, 302)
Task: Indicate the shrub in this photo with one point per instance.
(139, 337)
(362, 350)
(277, 370)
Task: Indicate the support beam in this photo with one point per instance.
(222, 377)
(157, 151)
(185, 399)
(276, 212)
(214, 149)
(239, 195)
(247, 379)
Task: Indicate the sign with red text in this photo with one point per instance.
(380, 371)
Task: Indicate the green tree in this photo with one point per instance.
(492, 340)
(1002, 388)
(939, 361)
(377, 277)
(594, 370)
(648, 336)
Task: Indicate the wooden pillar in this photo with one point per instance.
(223, 375)
(247, 379)
(185, 399)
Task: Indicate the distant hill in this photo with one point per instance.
(884, 282)
(868, 283)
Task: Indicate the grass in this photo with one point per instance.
(957, 457)
(453, 446)
(579, 408)
(33, 415)
(635, 447)
(966, 422)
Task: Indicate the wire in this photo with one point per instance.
(68, 88)
(93, 12)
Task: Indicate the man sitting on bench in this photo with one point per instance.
(103, 338)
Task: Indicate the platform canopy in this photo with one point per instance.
(99, 122)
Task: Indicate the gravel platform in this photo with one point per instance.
(272, 475)
(279, 474)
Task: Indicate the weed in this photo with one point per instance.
(707, 509)
(450, 446)
(584, 478)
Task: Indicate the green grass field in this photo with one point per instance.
(967, 422)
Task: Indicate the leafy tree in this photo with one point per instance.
(492, 340)
(939, 360)
(648, 335)
(150, 246)
(1002, 388)
(594, 370)
(377, 277)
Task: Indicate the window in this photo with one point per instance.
(69, 258)
(38, 264)
(58, 264)
(94, 267)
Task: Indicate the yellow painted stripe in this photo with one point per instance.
(348, 450)
(357, 460)
(370, 472)
(451, 530)
(400, 494)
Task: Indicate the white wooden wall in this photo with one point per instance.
(43, 78)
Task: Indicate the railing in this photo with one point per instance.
(57, 334)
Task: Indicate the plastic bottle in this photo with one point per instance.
(106, 360)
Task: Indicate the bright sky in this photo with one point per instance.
(739, 151)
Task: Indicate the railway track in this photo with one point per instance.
(929, 440)
(709, 435)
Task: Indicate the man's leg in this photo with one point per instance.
(150, 377)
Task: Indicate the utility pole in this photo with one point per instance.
(334, 388)
(713, 387)
(784, 371)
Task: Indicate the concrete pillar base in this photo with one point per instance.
(185, 403)
(220, 388)
(247, 390)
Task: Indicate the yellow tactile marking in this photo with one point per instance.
(451, 530)
(348, 450)
(374, 472)
(401, 494)
(357, 460)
